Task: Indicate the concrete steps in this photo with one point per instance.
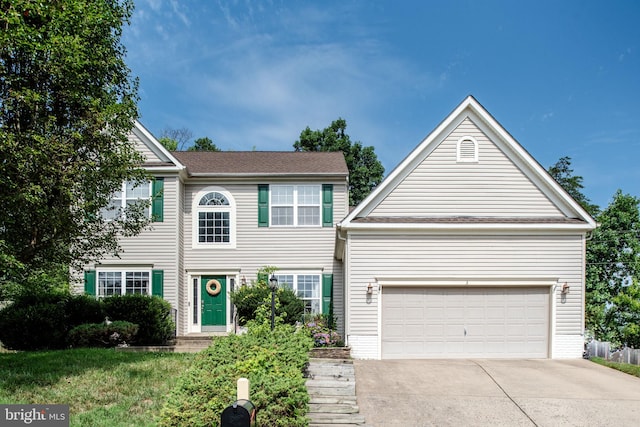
(331, 384)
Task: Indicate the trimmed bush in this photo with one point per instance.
(34, 323)
(102, 334)
(41, 320)
(152, 314)
(247, 299)
(273, 362)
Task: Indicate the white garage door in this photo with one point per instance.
(440, 322)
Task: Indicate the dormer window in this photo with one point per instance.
(467, 150)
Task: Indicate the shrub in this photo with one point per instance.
(152, 314)
(41, 320)
(34, 322)
(102, 334)
(247, 299)
(272, 361)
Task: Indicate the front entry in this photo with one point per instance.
(214, 303)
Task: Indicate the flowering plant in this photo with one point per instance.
(323, 336)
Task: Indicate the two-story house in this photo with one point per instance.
(468, 248)
(218, 217)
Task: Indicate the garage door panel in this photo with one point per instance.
(431, 322)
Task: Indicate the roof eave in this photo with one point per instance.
(348, 226)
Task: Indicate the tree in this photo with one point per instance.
(203, 144)
(365, 170)
(624, 314)
(175, 139)
(612, 261)
(67, 103)
(572, 184)
(168, 143)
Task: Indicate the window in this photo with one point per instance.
(123, 283)
(129, 194)
(295, 205)
(306, 286)
(467, 150)
(214, 224)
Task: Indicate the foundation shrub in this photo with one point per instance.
(248, 299)
(102, 334)
(152, 314)
(42, 320)
(273, 362)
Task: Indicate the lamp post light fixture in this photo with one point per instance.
(273, 284)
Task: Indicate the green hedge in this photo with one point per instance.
(102, 334)
(272, 361)
(152, 314)
(39, 321)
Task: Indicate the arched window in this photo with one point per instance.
(214, 222)
(467, 149)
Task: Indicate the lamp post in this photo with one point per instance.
(273, 284)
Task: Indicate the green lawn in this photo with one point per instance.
(103, 387)
(624, 367)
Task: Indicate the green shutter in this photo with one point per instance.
(157, 283)
(262, 277)
(327, 295)
(263, 205)
(157, 200)
(327, 205)
(90, 282)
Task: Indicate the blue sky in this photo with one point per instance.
(563, 77)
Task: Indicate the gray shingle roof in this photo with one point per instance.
(262, 162)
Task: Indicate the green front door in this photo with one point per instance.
(214, 307)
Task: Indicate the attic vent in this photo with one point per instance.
(467, 149)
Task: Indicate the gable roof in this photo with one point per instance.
(572, 215)
(262, 163)
(163, 158)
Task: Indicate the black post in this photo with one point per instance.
(273, 284)
(273, 308)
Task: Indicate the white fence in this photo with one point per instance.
(602, 349)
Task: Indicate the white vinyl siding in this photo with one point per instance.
(157, 247)
(293, 249)
(443, 186)
(508, 256)
(142, 148)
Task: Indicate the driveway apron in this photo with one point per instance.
(537, 392)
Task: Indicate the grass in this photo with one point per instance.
(102, 387)
(624, 367)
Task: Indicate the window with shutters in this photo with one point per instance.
(129, 194)
(467, 149)
(296, 205)
(123, 283)
(214, 220)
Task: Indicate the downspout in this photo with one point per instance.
(345, 281)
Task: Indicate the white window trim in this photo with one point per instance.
(196, 208)
(123, 279)
(123, 199)
(459, 157)
(295, 206)
(295, 275)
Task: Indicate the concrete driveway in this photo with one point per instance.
(495, 393)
